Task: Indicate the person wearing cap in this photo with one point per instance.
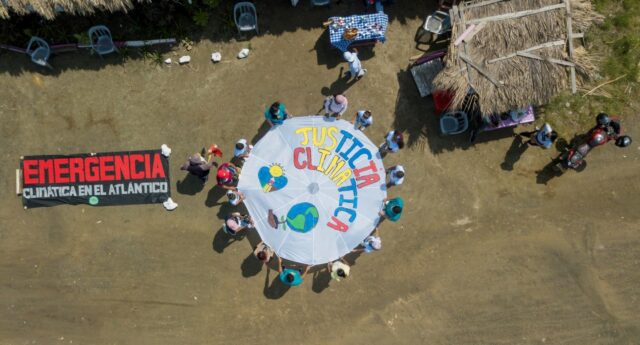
(276, 114)
(242, 150)
(263, 253)
(393, 142)
(391, 209)
(235, 197)
(236, 222)
(227, 176)
(290, 276)
(543, 137)
(335, 106)
(370, 244)
(396, 175)
(363, 119)
(197, 166)
(339, 269)
(355, 66)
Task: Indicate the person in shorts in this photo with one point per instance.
(363, 119)
(276, 114)
(235, 197)
(235, 223)
(263, 253)
(199, 167)
(393, 141)
(391, 209)
(227, 176)
(371, 243)
(355, 66)
(396, 175)
(291, 276)
(543, 137)
(338, 269)
(335, 106)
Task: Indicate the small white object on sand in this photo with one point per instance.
(168, 61)
(166, 150)
(243, 53)
(216, 57)
(170, 205)
(184, 59)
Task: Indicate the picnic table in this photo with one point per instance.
(371, 28)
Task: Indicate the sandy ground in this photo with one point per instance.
(482, 255)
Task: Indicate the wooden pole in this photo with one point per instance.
(515, 15)
(570, 43)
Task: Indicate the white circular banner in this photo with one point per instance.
(314, 188)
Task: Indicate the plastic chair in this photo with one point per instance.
(245, 16)
(101, 40)
(38, 50)
(454, 122)
(320, 2)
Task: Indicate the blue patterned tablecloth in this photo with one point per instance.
(370, 27)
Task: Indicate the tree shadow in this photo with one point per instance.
(276, 289)
(515, 151)
(190, 185)
(222, 240)
(251, 266)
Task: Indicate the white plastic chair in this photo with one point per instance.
(38, 50)
(245, 16)
(101, 40)
(454, 122)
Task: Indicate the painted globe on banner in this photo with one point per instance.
(302, 217)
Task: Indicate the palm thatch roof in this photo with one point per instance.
(520, 52)
(50, 8)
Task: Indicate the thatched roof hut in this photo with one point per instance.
(50, 8)
(516, 52)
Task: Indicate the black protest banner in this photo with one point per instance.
(113, 178)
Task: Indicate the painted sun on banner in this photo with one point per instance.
(314, 188)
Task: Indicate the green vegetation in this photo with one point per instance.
(616, 44)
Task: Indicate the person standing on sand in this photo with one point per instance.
(263, 253)
(235, 197)
(276, 114)
(393, 142)
(197, 166)
(338, 269)
(363, 119)
(543, 137)
(227, 176)
(370, 244)
(391, 209)
(289, 276)
(355, 66)
(335, 106)
(396, 175)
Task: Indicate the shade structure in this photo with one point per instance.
(313, 187)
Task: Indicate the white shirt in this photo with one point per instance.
(393, 178)
(335, 266)
(235, 201)
(355, 66)
(393, 146)
(362, 121)
(331, 106)
(247, 148)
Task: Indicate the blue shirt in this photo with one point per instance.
(297, 279)
(280, 116)
(388, 209)
(543, 136)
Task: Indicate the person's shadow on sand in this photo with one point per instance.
(277, 289)
(264, 128)
(251, 266)
(190, 185)
(222, 240)
(214, 196)
(321, 280)
(515, 151)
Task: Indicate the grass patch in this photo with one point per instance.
(617, 40)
